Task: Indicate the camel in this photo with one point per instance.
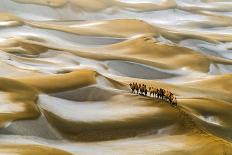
(152, 92)
(149, 89)
(132, 86)
(159, 93)
(137, 88)
(174, 101)
(167, 95)
(142, 89)
(156, 92)
(145, 91)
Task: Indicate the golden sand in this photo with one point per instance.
(19, 95)
(96, 5)
(48, 83)
(30, 149)
(66, 66)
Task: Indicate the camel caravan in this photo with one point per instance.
(159, 93)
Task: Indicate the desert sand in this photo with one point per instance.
(66, 66)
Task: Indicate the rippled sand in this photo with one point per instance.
(66, 66)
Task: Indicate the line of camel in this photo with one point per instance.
(159, 93)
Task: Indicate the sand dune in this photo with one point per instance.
(8, 19)
(218, 83)
(30, 149)
(95, 5)
(48, 83)
(151, 53)
(66, 66)
(115, 28)
(88, 125)
(223, 7)
(18, 95)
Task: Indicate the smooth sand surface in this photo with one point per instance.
(66, 66)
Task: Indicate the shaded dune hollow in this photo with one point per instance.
(108, 123)
(136, 70)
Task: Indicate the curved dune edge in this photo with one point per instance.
(212, 20)
(143, 50)
(209, 1)
(129, 27)
(208, 117)
(204, 104)
(149, 30)
(9, 19)
(9, 71)
(205, 107)
(51, 3)
(133, 27)
(182, 91)
(221, 83)
(98, 5)
(118, 79)
(20, 96)
(22, 45)
(23, 91)
(207, 5)
(195, 128)
(181, 34)
(9, 149)
(178, 144)
(141, 112)
(111, 28)
(193, 145)
(146, 50)
(61, 82)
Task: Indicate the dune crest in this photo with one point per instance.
(50, 83)
(97, 5)
(30, 149)
(18, 95)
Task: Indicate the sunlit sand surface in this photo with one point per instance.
(66, 66)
